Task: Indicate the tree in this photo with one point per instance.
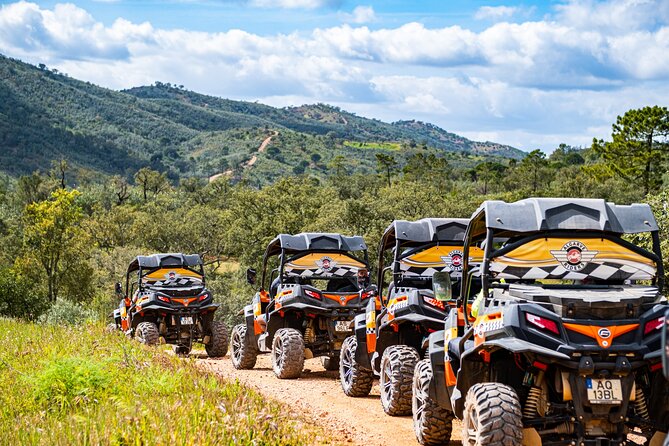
(533, 165)
(488, 171)
(639, 148)
(31, 188)
(338, 164)
(566, 155)
(427, 169)
(386, 163)
(121, 191)
(58, 171)
(50, 228)
(150, 181)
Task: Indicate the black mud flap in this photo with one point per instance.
(438, 390)
(360, 331)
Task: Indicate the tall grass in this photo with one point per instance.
(79, 385)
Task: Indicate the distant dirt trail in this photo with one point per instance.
(261, 149)
(318, 395)
(250, 162)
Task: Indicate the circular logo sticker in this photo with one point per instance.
(326, 264)
(574, 255)
(454, 260)
(604, 333)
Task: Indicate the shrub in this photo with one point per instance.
(65, 312)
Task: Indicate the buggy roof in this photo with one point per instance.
(426, 230)
(314, 241)
(571, 214)
(165, 261)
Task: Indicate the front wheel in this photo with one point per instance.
(492, 416)
(397, 365)
(356, 380)
(244, 354)
(218, 341)
(432, 423)
(288, 353)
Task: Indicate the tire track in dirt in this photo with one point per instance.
(318, 395)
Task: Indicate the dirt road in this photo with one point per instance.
(318, 395)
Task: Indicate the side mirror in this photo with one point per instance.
(118, 289)
(251, 276)
(665, 345)
(442, 286)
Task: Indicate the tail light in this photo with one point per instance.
(653, 325)
(435, 303)
(366, 294)
(164, 299)
(203, 297)
(542, 323)
(312, 294)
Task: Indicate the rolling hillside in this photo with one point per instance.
(45, 115)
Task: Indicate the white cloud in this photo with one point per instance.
(495, 12)
(360, 15)
(552, 77)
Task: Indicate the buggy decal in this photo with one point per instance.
(562, 258)
(179, 277)
(321, 265)
(437, 259)
(397, 303)
(485, 324)
(370, 331)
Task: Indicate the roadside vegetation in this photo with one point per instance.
(65, 239)
(65, 384)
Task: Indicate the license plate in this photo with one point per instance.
(342, 326)
(604, 391)
(186, 320)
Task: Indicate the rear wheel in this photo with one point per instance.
(147, 333)
(287, 353)
(431, 422)
(397, 366)
(111, 328)
(243, 354)
(218, 341)
(330, 363)
(356, 380)
(492, 416)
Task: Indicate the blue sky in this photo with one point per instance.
(528, 74)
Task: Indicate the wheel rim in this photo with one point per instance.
(347, 366)
(386, 383)
(278, 352)
(236, 347)
(419, 399)
(472, 424)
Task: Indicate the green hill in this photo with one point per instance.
(45, 116)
